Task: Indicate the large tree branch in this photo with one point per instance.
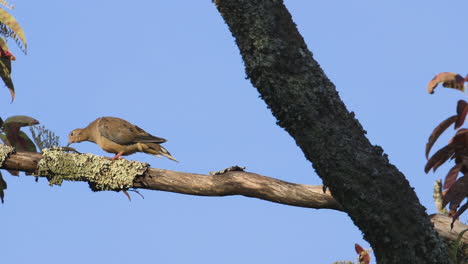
(232, 183)
(305, 102)
(225, 184)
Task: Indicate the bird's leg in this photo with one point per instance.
(117, 156)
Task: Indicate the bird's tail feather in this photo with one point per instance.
(158, 150)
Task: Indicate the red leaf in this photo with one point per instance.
(456, 193)
(458, 213)
(462, 110)
(358, 248)
(452, 175)
(460, 137)
(441, 156)
(364, 257)
(449, 80)
(6, 54)
(438, 131)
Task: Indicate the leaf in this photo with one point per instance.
(364, 257)
(5, 67)
(5, 51)
(3, 186)
(11, 28)
(6, 77)
(25, 143)
(441, 156)
(458, 213)
(358, 248)
(452, 176)
(456, 193)
(44, 138)
(462, 110)
(460, 137)
(16, 138)
(449, 80)
(456, 245)
(21, 120)
(438, 131)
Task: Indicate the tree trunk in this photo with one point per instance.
(305, 102)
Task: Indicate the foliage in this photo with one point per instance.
(363, 256)
(12, 135)
(457, 149)
(9, 28)
(3, 186)
(43, 137)
(456, 247)
(449, 80)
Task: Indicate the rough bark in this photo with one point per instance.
(306, 104)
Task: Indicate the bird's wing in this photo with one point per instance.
(123, 132)
(145, 137)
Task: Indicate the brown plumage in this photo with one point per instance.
(118, 136)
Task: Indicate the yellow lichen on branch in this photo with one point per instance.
(101, 173)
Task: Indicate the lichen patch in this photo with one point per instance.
(102, 174)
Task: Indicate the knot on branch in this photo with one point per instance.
(232, 168)
(4, 152)
(101, 173)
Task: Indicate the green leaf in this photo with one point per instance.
(456, 245)
(3, 186)
(6, 77)
(16, 138)
(26, 144)
(11, 28)
(21, 121)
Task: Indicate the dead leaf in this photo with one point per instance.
(449, 80)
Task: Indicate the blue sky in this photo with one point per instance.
(172, 68)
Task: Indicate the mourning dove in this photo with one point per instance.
(118, 136)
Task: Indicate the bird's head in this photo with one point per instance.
(76, 135)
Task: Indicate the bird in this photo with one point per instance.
(118, 136)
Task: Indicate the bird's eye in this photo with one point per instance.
(71, 134)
